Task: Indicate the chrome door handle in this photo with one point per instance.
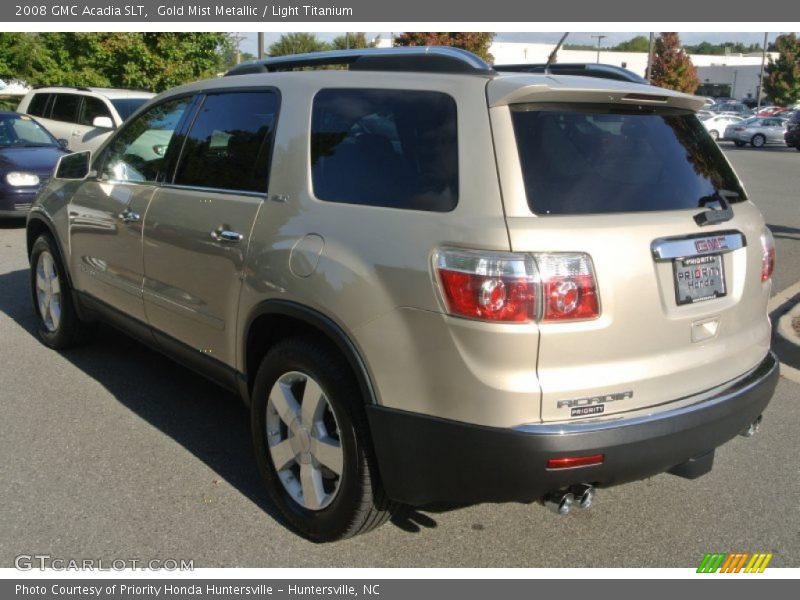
(128, 216)
(226, 235)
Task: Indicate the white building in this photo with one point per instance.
(734, 75)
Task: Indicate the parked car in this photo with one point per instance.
(757, 132)
(792, 135)
(28, 154)
(732, 108)
(85, 117)
(717, 124)
(431, 281)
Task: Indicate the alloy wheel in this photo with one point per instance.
(48, 291)
(303, 440)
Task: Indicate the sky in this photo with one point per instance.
(250, 43)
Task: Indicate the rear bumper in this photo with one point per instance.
(425, 459)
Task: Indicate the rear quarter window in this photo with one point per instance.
(37, 105)
(585, 159)
(390, 148)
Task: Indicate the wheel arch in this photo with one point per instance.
(273, 320)
(37, 225)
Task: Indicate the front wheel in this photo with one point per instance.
(714, 134)
(758, 141)
(312, 442)
(58, 324)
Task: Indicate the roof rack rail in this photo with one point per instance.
(425, 59)
(584, 69)
(66, 87)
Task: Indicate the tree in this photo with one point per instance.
(477, 42)
(297, 43)
(153, 61)
(352, 39)
(672, 67)
(782, 76)
(636, 44)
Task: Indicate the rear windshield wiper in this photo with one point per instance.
(718, 208)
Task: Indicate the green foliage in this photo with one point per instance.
(297, 43)
(152, 61)
(477, 42)
(352, 39)
(672, 67)
(638, 43)
(722, 48)
(782, 76)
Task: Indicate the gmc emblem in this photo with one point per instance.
(711, 244)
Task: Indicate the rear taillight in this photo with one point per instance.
(568, 286)
(490, 286)
(517, 288)
(767, 254)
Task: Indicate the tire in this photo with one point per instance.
(714, 134)
(797, 148)
(758, 141)
(299, 453)
(738, 143)
(58, 324)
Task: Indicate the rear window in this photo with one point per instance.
(391, 148)
(586, 159)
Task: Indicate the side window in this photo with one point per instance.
(91, 109)
(230, 141)
(65, 107)
(138, 152)
(38, 104)
(393, 148)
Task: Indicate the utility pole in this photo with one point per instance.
(260, 45)
(599, 39)
(761, 74)
(649, 72)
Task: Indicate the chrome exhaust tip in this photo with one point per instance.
(584, 494)
(559, 502)
(751, 429)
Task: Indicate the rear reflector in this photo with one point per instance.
(570, 462)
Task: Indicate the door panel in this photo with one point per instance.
(106, 242)
(193, 274)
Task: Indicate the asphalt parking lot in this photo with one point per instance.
(112, 451)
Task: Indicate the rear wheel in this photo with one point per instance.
(714, 134)
(312, 443)
(58, 324)
(758, 141)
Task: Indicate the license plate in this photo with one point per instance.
(698, 278)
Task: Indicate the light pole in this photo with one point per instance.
(649, 73)
(761, 74)
(599, 39)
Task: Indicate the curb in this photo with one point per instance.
(783, 308)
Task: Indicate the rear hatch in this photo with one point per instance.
(629, 177)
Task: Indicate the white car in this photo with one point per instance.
(85, 117)
(716, 125)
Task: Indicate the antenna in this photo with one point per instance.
(552, 58)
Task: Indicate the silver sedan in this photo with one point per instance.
(758, 132)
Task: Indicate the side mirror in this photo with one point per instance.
(63, 144)
(103, 123)
(74, 166)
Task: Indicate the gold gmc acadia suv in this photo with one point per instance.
(430, 280)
